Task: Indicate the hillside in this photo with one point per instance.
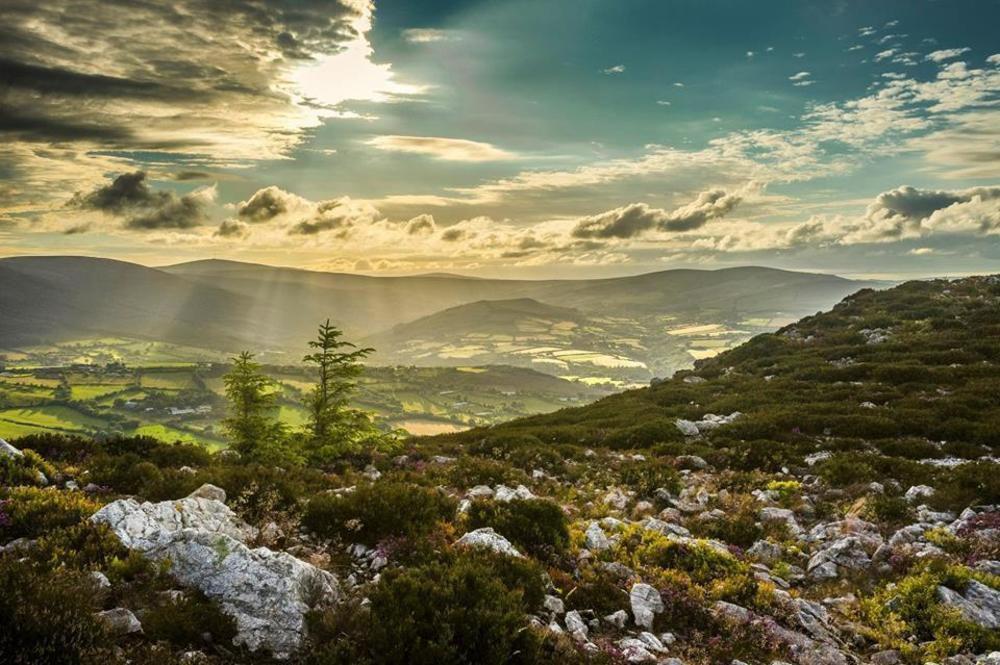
(615, 337)
(46, 299)
(925, 354)
(841, 506)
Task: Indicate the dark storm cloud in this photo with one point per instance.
(638, 218)
(145, 209)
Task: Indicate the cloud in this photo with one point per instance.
(185, 212)
(615, 69)
(232, 228)
(130, 196)
(908, 212)
(968, 149)
(266, 204)
(903, 213)
(460, 150)
(429, 35)
(210, 83)
(625, 222)
(801, 79)
(421, 225)
(946, 54)
(637, 218)
(339, 216)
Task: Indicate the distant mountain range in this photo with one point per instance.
(228, 305)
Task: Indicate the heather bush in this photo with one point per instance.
(536, 525)
(34, 511)
(377, 511)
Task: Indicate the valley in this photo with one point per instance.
(120, 386)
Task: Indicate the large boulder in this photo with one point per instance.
(267, 593)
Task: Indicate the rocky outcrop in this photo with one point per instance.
(267, 593)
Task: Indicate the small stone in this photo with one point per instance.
(635, 651)
(692, 462)
(487, 538)
(120, 621)
(576, 625)
(919, 492)
(617, 619)
(554, 604)
(7, 450)
(888, 657)
(101, 580)
(209, 491)
(595, 539)
(646, 604)
(686, 427)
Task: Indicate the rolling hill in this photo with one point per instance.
(919, 360)
(610, 329)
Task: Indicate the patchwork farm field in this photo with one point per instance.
(184, 400)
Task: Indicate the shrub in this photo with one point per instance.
(467, 607)
(471, 471)
(184, 622)
(524, 451)
(537, 525)
(597, 589)
(377, 511)
(890, 511)
(648, 476)
(33, 511)
(910, 610)
(454, 612)
(24, 470)
(846, 469)
(739, 526)
(82, 546)
(47, 616)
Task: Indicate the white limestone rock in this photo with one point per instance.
(487, 538)
(646, 603)
(267, 593)
(595, 539)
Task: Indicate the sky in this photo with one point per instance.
(509, 138)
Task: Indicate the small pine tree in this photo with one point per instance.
(251, 425)
(334, 428)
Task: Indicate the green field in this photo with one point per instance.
(59, 418)
(183, 400)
